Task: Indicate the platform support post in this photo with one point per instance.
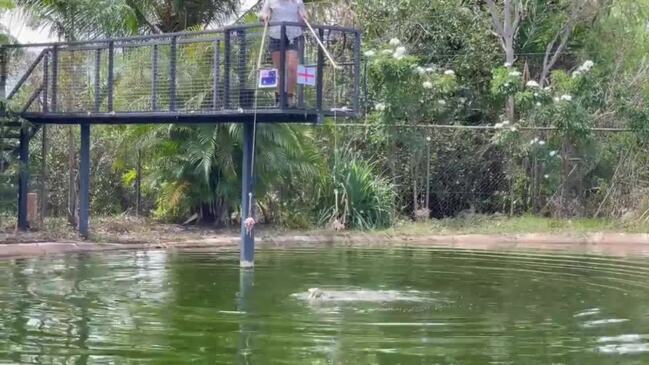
(23, 183)
(84, 180)
(247, 246)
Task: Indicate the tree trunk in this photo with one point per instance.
(415, 204)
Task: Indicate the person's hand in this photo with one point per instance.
(264, 18)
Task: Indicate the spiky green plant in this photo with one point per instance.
(356, 195)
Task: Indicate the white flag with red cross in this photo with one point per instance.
(306, 75)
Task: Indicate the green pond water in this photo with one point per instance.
(377, 306)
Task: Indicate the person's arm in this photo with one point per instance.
(265, 13)
(301, 11)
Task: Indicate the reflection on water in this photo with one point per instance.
(389, 306)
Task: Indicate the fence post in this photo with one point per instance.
(357, 71)
(217, 75)
(111, 73)
(98, 80)
(320, 73)
(172, 73)
(282, 68)
(245, 97)
(55, 75)
(154, 78)
(227, 60)
(46, 79)
(300, 87)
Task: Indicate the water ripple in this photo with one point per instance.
(384, 306)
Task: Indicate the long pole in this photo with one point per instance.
(315, 35)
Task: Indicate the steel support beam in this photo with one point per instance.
(247, 245)
(84, 181)
(23, 183)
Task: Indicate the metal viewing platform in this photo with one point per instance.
(197, 77)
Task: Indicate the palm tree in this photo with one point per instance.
(71, 19)
(197, 168)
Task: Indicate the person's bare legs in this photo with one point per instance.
(291, 68)
(291, 64)
(276, 60)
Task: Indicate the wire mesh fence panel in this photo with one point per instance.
(341, 85)
(75, 80)
(190, 73)
(241, 79)
(25, 77)
(198, 66)
(133, 77)
(8, 193)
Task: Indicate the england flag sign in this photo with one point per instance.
(268, 78)
(306, 75)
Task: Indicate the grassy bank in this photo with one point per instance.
(125, 229)
(483, 224)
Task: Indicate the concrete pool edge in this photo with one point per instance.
(613, 244)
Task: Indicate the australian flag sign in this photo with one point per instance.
(268, 78)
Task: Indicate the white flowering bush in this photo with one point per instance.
(403, 89)
(506, 133)
(567, 102)
(506, 82)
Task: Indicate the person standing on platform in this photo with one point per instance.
(292, 11)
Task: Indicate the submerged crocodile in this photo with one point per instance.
(321, 295)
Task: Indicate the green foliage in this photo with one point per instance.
(355, 195)
(427, 63)
(505, 82)
(74, 19)
(6, 5)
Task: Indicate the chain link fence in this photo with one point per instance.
(450, 171)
